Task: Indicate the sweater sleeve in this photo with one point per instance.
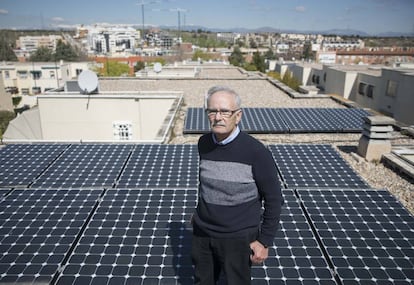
(270, 190)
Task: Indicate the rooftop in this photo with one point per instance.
(119, 213)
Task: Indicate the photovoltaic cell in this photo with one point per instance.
(37, 229)
(86, 165)
(20, 164)
(161, 166)
(308, 165)
(368, 235)
(137, 236)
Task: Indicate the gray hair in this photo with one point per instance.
(226, 89)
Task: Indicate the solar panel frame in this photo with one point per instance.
(314, 165)
(37, 230)
(20, 164)
(86, 165)
(367, 233)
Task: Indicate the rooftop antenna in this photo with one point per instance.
(179, 10)
(142, 3)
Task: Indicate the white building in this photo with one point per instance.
(384, 89)
(32, 43)
(31, 78)
(115, 40)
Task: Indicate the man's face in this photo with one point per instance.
(222, 126)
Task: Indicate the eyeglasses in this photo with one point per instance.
(224, 113)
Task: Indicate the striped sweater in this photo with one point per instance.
(234, 181)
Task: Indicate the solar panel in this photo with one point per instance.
(283, 120)
(295, 257)
(307, 165)
(196, 121)
(37, 229)
(346, 120)
(368, 234)
(136, 236)
(301, 120)
(262, 120)
(20, 164)
(86, 165)
(161, 166)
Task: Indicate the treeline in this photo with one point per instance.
(8, 43)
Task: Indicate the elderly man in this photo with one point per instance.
(237, 177)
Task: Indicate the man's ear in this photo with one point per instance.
(239, 116)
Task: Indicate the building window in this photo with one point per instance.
(36, 74)
(78, 71)
(22, 74)
(25, 91)
(361, 88)
(52, 74)
(370, 91)
(36, 90)
(122, 130)
(392, 87)
(6, 74)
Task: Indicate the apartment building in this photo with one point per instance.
(114, 40)
(387, 90)
(31, 78)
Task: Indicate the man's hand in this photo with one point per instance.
(259, 252)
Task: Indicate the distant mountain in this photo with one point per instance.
(341, 32)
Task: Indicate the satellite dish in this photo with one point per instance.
(157, 67)
(88, 81)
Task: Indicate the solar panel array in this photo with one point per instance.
(119, 214)
(285, 120)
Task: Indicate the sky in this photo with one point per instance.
(370, 16)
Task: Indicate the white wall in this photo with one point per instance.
(79, 117)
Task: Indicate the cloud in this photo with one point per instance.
(3, 12)
(58, 19)
(300, 9)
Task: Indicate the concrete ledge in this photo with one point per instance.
(398, 164)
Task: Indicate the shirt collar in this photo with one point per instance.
(229, 139)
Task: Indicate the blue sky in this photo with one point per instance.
(371, 16)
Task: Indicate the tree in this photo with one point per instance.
(65, 52)
(259, 61)
(236, 57)
(5, 118)
(307, 50)
(199, 54)
(114, 68)
(270, 54)
(6, 52)
(42, 54)
(139, 65)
